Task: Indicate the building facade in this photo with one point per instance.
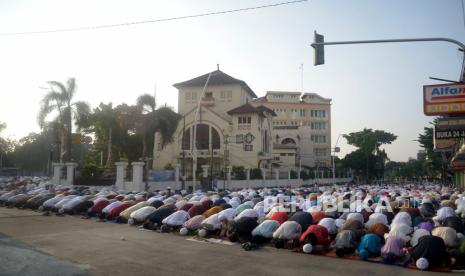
(301, 128)
(224, 124)
(219, 128)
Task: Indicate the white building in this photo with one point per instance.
(301, 129)
(229, 131)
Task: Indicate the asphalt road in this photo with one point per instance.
(73, 246)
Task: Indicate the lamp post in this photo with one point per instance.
(335, 150)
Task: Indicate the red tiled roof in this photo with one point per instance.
(248, 108)
(217, 78)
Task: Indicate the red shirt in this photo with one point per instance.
(196, 210)
(99, 205)
(280, 217)
(120, 208)
(320, 232)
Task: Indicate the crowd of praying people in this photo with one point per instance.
(416, 226)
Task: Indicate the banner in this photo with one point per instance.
(161, 175)
(443, 99)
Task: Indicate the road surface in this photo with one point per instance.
(73, 246)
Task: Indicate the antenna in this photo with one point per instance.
(302, 77)
(218, 66)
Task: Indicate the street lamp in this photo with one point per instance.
(335, 150)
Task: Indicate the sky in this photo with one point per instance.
(375, 86)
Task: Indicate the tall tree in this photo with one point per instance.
(162, 120)
(60, 100)
(368, 143)
(434, 159)
(6, 146)
(104, 123)
(146, 104)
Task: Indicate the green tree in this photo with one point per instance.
(146, 104)
(59, 100)
(168, 166)
(32, 152)
(162, 120)
(368, 143)
(238, 172)
(6, 147)
(434, 164)
(410, 169)
(255, 173)
(103, 123)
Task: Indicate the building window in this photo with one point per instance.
(318, 113)
(318, 139)
(216, 141)
(202, 134)
(244, 120)
(248, 147)
(239, 138)
(226, 95)
(186, 140)
(318, 125)
(209, 95)
(319, 152)
(282, 154)
(290, 154)
(188, 97)
(288, 141)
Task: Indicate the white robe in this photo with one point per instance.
(177, 218)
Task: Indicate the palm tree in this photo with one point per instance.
(59, 100)
(162, 120)
(146, 105)
(104, 122)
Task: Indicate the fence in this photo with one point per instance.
(243, 184)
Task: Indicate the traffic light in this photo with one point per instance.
(319, 50)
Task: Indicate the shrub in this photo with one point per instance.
(168, 166)
(256, 173)
(238, 172)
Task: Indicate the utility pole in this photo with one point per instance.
(226, 159)
(211, 166)
(194, 144)
(183, 154)
(335, 150)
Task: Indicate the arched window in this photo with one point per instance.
(265, 142)
(186, 140)
(216, 144)
(288, 141)
(204, 138)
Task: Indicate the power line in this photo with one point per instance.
(88, 28)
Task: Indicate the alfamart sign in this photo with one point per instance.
(441, 99)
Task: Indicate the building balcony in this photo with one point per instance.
(208, 101)
(244, 127)
(264, 155)
(202, 153)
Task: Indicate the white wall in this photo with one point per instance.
(241, 184)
